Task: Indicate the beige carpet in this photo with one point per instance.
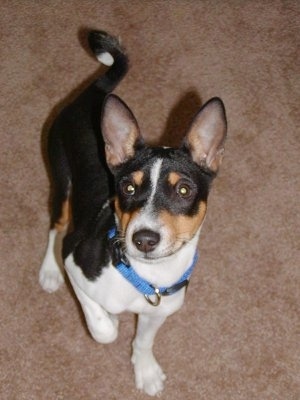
(238, 335)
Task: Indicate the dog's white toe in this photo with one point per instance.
(149, 376)
(50, 277)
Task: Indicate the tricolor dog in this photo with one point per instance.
(132, 213)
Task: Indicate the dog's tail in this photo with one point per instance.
(109, 52)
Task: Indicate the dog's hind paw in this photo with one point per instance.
(149, 377)
(50, 277)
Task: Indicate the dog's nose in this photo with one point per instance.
(145, 240)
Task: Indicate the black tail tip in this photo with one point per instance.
(96, 37)
(101, 41)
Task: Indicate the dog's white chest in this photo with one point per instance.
(116, 295)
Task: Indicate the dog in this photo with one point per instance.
(132, 213)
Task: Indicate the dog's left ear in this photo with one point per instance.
(206, 136)
(119, 129)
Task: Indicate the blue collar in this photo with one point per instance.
(147, 289)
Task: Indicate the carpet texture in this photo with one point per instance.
(238, 334)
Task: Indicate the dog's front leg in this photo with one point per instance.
(102, 325)
(149, 376)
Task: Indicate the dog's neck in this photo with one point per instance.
(166, 271)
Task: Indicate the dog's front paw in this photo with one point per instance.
(104, 327)
(149, 376)
(50, 277)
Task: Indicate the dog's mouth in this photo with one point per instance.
(158, 254)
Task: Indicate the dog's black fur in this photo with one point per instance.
(78, 164)
(81, 173)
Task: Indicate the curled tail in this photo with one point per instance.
(109, 52)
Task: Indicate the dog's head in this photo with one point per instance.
(161, 193)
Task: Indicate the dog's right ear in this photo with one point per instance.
(120, 131)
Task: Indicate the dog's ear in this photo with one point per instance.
(119, 129)
(206, 136)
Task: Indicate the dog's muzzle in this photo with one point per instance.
(146, 240)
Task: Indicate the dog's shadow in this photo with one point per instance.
(180, 118)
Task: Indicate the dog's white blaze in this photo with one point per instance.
(146, 218)
(154, 176)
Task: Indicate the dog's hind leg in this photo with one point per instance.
(51, 275)
(149, 376)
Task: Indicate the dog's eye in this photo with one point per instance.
(183, 190)
(128, 189)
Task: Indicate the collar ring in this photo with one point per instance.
(157, 300)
